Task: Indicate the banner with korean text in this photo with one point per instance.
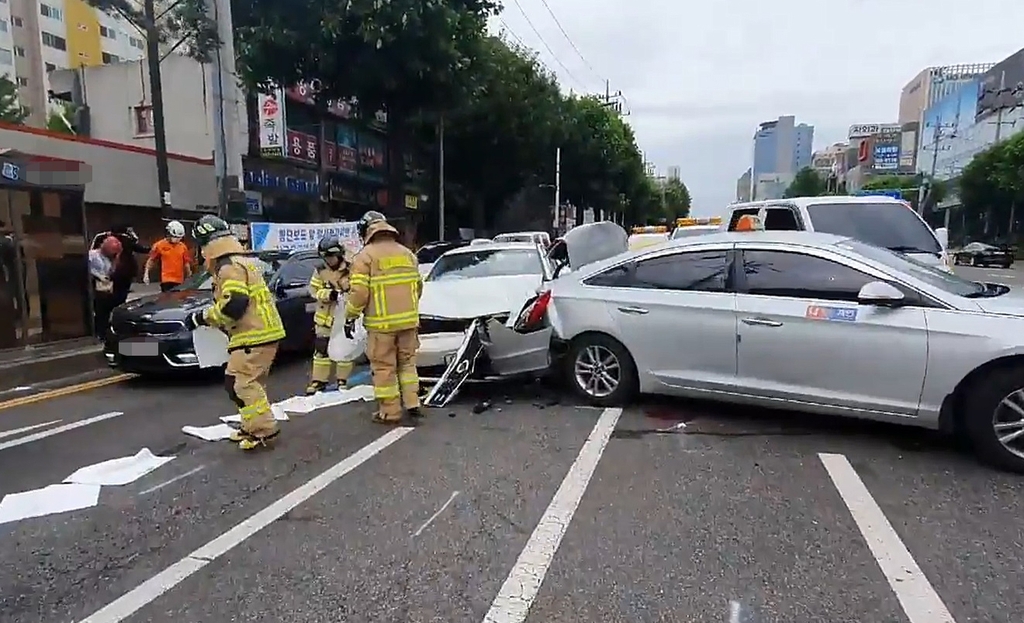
(302, 236)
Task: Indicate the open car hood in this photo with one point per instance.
(591, 243)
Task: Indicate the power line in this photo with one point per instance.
(569, 39)
(529, 22)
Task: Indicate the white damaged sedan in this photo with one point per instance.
(482, 284)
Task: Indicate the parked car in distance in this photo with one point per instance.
(806, 321)
(981, 254)
(148, 335)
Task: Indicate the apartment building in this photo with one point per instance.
(45, 35)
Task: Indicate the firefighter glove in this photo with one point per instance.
(194, 321)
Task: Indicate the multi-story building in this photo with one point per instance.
(781, 148)
(6, 42)
(933, 84)
(60, 34)
(743, 186)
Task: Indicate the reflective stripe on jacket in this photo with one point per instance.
(386, 284)
(261, 323)
(326, 280)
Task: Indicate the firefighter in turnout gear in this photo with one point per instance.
(386, 287)
(246, 311)
(328, 285)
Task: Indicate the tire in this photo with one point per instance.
(602, 345)
(974, 261)
(980, 405)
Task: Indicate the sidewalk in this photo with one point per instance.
(36, 364)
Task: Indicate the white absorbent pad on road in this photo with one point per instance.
(216, 432)
(117, 472)
(48, 501)
(322, 400)
(211, 347)
(279, 415)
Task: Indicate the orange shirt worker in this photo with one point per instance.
(174, 257)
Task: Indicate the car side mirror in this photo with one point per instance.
(881, 294)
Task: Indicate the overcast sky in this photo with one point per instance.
(699, 77)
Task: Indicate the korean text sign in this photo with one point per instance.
(301, 236)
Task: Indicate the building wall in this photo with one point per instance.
(118, 93)
(785, 144)
(28, 59)
(933, 84)
(765, 148)
(743, 186)
(6, 41)
(802, 149)
(121, 174)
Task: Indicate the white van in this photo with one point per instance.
(878, 220)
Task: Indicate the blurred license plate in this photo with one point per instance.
(140, 349)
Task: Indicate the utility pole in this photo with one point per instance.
(558, 189)
(440, 178)
(938, 136)
(227, 125)
(156, 94)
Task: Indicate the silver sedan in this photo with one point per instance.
(806, 321)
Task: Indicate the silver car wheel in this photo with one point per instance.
(1008, 422)
(598, 371)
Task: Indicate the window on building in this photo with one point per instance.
(55, 42)
(109, 58)
(50, 67)
(17, 21)
(19, 51)
(136, 43)
(5, 26)
(22, 81)
(109, 33)
(6, 57)
(52, 12)
(143, 117)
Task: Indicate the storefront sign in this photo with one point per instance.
(412, 202)
(271, 119)
(270, 181)
(886, 157)
(302, 146)
(864, 130)
(11, 172)
(302, 236)
(253, 203)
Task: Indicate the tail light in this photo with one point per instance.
(534, 313)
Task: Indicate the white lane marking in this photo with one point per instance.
(135, 599)
(25, 429)
(60, 429)
(916, 595)
(512, 605)
(426, 524)
(173, 480)
(735, 610)
(14, 390)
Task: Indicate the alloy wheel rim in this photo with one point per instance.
(1008, 422)
(598, 371)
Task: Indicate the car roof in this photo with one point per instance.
(803, 202)
(812, 238)
(522, 233)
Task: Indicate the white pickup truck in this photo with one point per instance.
(878, 220)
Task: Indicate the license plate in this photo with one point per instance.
(140, 349)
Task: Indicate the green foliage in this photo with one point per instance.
(910, 186)
(674, 200)
(807, 183)
(183, 25)
(11, 111)
(60, 120)
(992, 190)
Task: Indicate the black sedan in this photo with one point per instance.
(981, 254)
(148, 335)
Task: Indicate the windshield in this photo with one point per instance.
(487, 263)
(203, 280)
(933, 276)
(889, 225)
(689, 232)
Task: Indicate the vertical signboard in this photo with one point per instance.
(271, 119)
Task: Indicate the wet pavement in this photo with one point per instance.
(532, 510)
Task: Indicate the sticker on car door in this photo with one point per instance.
(835, 314)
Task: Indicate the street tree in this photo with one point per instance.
(807, 183)
(992, 189)
(59, 120)
(11, 110)
(503, 138)
(675, 199)
(183, 26)
(910, 187)
(408, 57)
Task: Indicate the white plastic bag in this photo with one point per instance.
(341, 348)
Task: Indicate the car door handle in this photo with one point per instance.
(762, 322)
(639, 311)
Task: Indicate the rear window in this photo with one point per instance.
(887, 225)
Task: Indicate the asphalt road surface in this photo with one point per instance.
(532, 511)
(1013, 276)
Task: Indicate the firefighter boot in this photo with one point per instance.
(315, 387)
